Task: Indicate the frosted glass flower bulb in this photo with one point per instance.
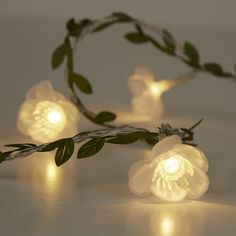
(46, 115)
(147, 92)
(173, 172)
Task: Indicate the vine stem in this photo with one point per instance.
(164, 130)
(98, 133)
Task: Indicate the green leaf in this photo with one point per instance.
(75, 29)
(2, 156)
(126, 138)
(105, 116)
(58, 56)
(21, 145)
(192, 53)
(82, 83)
(122, 17)
(91, 148)
(64, 151)
(137, 38)
(214, 68)
(71, 25)
(103, 26)
(52, 146)
(169, 41)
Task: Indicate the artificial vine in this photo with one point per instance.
(186, 52)
(96, 139)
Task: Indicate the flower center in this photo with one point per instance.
(49, 121)
(172, 165)
(54, 116)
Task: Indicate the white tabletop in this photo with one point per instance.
(91, 197)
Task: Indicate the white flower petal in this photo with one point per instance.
(25, 118)
(165, 145)
(137, 165)
(192, 154)
(158, 110)
(144, 72)
(42, 91)
(198, 183)
(136, 85)
(167, 190)
(140, 178)
(143, 105)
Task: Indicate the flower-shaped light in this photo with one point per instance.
(46, 114)
(147, 92)
(174, 172)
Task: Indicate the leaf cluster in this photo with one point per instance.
(94, 141)
(166, 43)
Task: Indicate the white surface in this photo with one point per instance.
(91, 196)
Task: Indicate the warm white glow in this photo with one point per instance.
(51, 173)
(49, 120)
(54, 117)
(172, 165)
(155, 89)
(167, 225)
(173, 172)
(46, 115)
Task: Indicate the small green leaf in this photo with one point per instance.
(126, 138)
(73, 28)
(169, 41)
(137, 38)
(103, 26)
(214, 68)
(21, 145)
(192, 53)
(122, 17)
(105, 116)
(52, 146)
(2, 156)
(58, 56)
(82, 83)
(91, 148)
(71, 25)
(150, 137)
(64, 151)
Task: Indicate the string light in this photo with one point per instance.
(173, 172)
(47, 115)
(147, 92)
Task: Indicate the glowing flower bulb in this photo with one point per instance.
(155, 89)
(148, 91)
(46, 114)
(174, 172)
(171, 165)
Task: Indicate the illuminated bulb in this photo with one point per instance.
(171, 165)
(155, 89)
(47, 115)
(54, 117)
(173, 172)
(147, 92)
